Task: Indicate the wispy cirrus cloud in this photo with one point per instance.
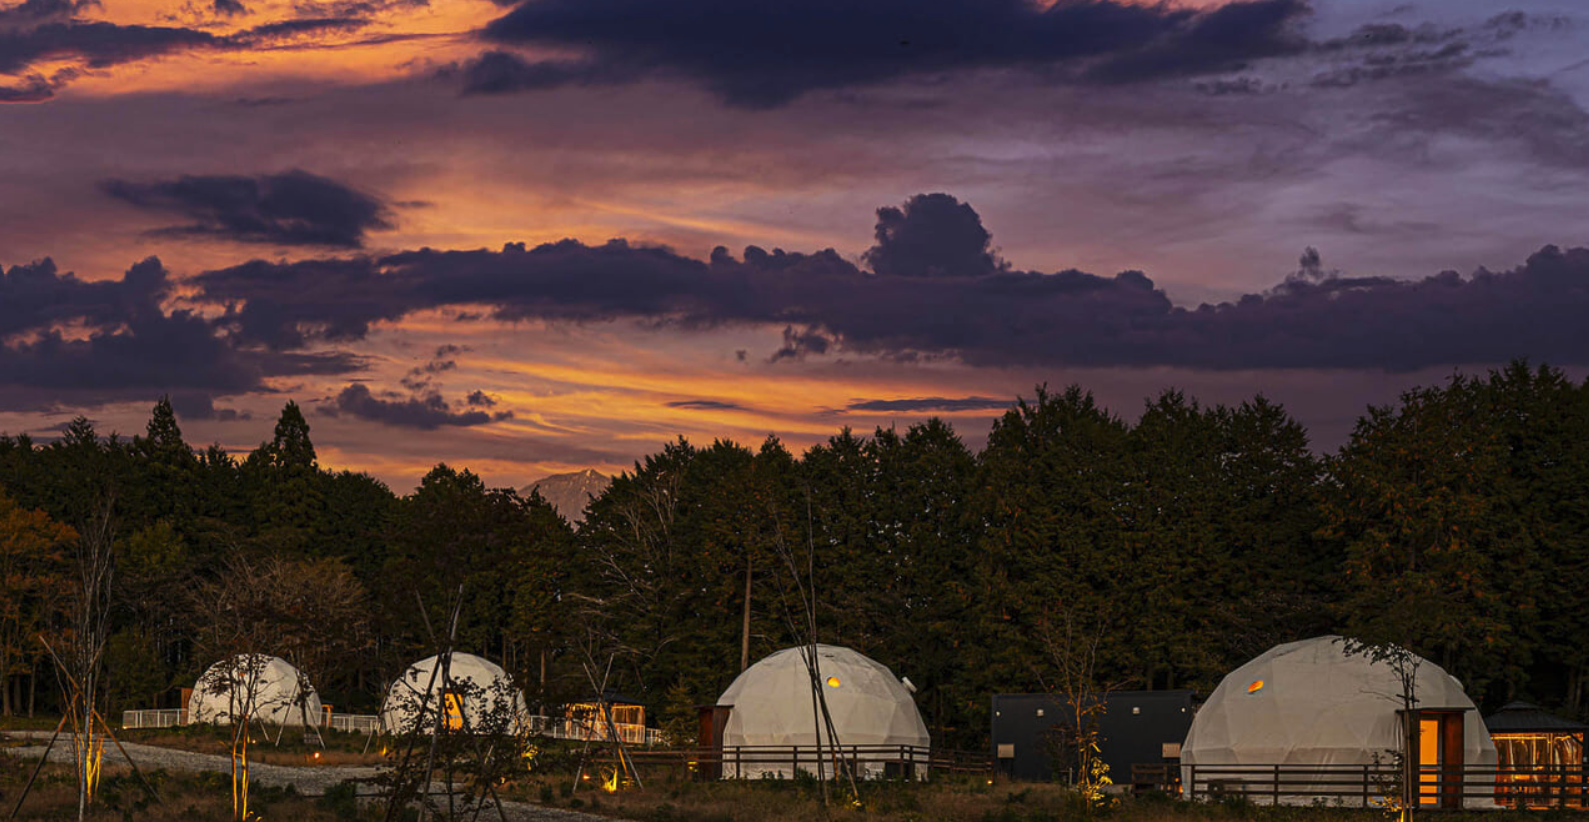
(705, 405)
(931, 404)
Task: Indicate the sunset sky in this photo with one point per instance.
(554, 235)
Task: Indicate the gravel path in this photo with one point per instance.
(310, 781)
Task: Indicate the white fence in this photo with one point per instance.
(160, 718)
(355, 723)
(173, 717)
(561, 728)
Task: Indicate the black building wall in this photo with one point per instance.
(1134, 728)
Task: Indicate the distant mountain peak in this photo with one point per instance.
(569, 493)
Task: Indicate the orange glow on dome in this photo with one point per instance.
(833, 682)
(1255, 687)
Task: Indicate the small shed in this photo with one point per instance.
(1135, 728)
(627, 714)
(1528, 735)
(1535, 750)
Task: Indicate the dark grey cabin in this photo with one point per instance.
(1137, 728)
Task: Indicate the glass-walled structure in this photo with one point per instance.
(1540, 757)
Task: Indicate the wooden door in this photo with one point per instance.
(1451, 731)
(1440, 735)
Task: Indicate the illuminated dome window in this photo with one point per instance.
(833, 682)
(1255, 687)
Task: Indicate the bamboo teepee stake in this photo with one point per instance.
(42, 759)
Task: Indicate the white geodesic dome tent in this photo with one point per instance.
(476, 696)
(267, 688)
(773, 706)
(1310, 703)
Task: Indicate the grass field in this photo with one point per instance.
(197, 797)
(951, 799)
(340, 748)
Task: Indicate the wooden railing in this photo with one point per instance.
(1470, 786)
(867, 761)
(1156, 776)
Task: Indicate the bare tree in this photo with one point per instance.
(241, 624)
(242, 678)
(471, 734)
(801, 583)
(82, 645)
(1072, 640)
(320, 614)
(1404, 664)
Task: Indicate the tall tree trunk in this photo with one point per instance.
(744, 641)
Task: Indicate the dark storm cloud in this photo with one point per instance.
(941, 237)
(920, 404)
(799, 344)
(284, 29)
(1225, 39)
(284, 304)
(108, 339)
(200, 406)
(426, 412)
(39, 296)
(291, 208)
(1314, 319)
(38, 11)
(706, 405)
(33, 89)
(97, 44)
(44, 30)
(767, 53)
(501, 72)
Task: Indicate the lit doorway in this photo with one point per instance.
(1440, 746)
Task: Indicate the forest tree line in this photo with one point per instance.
(1454, 522)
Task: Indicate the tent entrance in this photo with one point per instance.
(1439, 762)
(453, 704)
